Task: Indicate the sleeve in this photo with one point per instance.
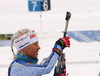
(24, 69)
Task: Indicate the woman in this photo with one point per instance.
(25, 61)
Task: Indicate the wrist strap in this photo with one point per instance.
(57, 46)
(57, 49)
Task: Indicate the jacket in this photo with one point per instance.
(22, 68)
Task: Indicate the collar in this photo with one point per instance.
(22, 57)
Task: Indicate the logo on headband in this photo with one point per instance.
(24, 45)
(32, 34)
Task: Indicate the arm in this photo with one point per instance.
(24, 69)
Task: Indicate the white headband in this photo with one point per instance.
(25, 40)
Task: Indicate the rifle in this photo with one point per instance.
(60, 69)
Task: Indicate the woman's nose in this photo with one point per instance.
(39, 47)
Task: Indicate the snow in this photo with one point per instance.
(83, 59)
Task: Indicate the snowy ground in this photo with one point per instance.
(83, 58)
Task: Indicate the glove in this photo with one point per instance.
(61, 44)
(64, 42)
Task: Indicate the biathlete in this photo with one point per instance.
(25, 60)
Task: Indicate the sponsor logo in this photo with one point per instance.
(27, 63)
(21, 39)
(24, 45)
(32, 36)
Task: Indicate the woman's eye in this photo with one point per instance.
(36, 44)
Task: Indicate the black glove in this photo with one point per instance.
(61, 44)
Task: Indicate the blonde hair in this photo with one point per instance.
(17, 35)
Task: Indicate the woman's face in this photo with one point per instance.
(32, 50)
